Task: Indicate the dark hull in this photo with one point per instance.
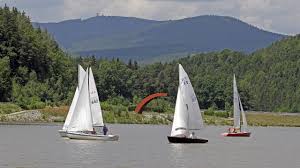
(186, 140)
(239, 134)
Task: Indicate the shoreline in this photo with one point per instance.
(56, 117)
(61, 124)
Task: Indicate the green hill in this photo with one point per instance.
(33, 69)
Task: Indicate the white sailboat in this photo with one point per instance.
(86, 115)
(187, 116)
(238, 130)
(81, 74)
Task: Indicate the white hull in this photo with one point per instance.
(85, 136)
(62, 133)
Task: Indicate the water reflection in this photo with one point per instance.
(177, 154)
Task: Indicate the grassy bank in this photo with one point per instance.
(123, 116)
(273, 119)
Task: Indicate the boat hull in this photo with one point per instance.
(85, 136)
(173, 139)
(238, 134)
(62, 133)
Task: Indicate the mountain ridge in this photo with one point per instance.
(143, 39)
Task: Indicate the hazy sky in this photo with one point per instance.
(275, 15)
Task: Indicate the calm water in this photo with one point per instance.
(147, 146)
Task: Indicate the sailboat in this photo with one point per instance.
(86, 114)
(187, 116)
(238, 130)
(81, 74)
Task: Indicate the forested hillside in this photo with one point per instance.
(33, 69)
(268, 80)
(35, 72)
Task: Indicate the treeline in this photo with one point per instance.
(268, 80)
(35, 72)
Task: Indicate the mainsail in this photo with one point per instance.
(94, 101)
(81, 74)
(82, 117)
(187, 111)
(236, 108)
(195, 121)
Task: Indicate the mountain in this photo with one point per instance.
(149, 40)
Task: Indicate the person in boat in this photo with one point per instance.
(93, 132)
(105, 129)
(236, 130)
(192, 135)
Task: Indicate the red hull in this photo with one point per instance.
(238, 134)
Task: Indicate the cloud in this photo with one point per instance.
(275, 15)
(38, 10)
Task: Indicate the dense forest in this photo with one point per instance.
(33, 69)
(35, 72)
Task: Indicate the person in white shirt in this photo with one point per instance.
(192, 135)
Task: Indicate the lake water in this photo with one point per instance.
(146, 146)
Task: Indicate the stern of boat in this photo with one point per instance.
(62, 133)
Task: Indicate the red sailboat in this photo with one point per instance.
(237, 130)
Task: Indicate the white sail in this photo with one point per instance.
(81, 73)
(236, 108)
(180, 121)
(245, 125)
(195, 120)
(94, 100)
(187, 111)
(82, 117)
(71, 110)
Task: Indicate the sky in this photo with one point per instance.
(281, 16)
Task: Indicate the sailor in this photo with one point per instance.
(94, 131)
(192, 135)
(105, 129)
